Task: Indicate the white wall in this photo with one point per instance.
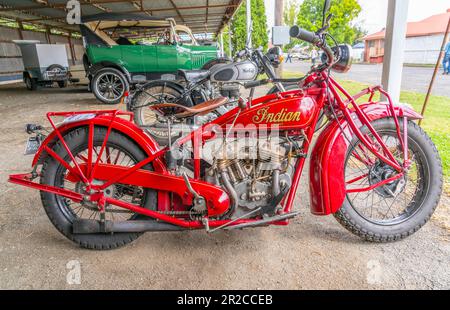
(423, 50)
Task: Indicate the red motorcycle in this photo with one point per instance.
(104, 181)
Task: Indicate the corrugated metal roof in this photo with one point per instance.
(436, 24)
(200, 15)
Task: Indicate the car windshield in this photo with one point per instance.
(184, 37)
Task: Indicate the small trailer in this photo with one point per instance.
(44, 64)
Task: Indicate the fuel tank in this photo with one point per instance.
(242, 71)
(290, 113)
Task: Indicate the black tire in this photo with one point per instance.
(58, 209)
(62, 84)
(143, 114)
(31, 83)
(109, 85)
(424, 200)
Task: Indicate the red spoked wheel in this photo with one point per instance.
(403, 202)
(119, 150)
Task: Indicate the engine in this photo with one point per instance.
(254, 172)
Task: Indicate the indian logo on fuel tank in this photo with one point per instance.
(264, 116)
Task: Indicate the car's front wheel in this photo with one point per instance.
(109, 85)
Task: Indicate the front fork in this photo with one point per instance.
(378, 147)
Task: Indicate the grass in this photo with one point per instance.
(436, 122)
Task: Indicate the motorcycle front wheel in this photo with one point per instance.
(399, 208)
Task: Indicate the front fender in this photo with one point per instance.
(148, 145)
(327, 180)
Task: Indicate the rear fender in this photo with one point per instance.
(148, 145)
(327, 181)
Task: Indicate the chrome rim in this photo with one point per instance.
(396, 201)
(84, 210)
(110, 86)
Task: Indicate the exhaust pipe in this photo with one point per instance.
(85, 226)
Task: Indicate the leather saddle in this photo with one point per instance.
(199, 109)
(194, 76)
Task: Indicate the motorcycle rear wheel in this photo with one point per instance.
(62, 212)
(397, 213)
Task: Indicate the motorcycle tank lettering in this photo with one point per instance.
(243, 71)
(291, 113)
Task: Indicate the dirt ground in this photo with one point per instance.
(311, 253)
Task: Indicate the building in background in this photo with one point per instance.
(423, 41)
(358, 52)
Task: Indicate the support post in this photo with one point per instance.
(394, 46)
(222, 53)
(47, 35)
(230, 42)
(249, 21)
(19, 23)
(436, 69)
(72, 50)
(279, 6)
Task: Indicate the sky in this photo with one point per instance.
(374, 12)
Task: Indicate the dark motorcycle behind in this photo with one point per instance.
(219, 78)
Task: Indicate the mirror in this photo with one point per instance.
(326, 7)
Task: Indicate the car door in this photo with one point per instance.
(173, 57)
(132, 58)
(149, 56)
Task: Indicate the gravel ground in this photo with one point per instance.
(311, 253)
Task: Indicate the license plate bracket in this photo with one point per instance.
(32, 146)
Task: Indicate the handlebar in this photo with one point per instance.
(256, 83)
(315, 39)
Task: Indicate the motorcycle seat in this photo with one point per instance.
(199, 109)
(194, 76)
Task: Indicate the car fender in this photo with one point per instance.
(327, 180)
(127, 128)
(94, 68)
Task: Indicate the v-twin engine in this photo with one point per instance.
(254, 172)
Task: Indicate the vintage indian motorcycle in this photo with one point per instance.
(104, 181)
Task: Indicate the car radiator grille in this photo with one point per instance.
(198, 60)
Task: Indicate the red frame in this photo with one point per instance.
(330, 143)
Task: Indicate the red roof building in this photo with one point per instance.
(423, 41)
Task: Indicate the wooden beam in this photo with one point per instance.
(19, 23)
(207, 9)
(176, 9)
(60, 6)
(233, 6)
(72, 49)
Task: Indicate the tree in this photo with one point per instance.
(341, 28)
(259, 22)
(291, 9)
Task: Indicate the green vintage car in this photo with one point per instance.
(123, 50)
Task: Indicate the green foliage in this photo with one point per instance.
(239, 26)
(291, 9)
(341, 28)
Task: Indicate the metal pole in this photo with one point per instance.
(394, 46)
(222, 53)
(279, 6)
(230, 42)
(72, 49)
(436, 69)
(249, 20)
